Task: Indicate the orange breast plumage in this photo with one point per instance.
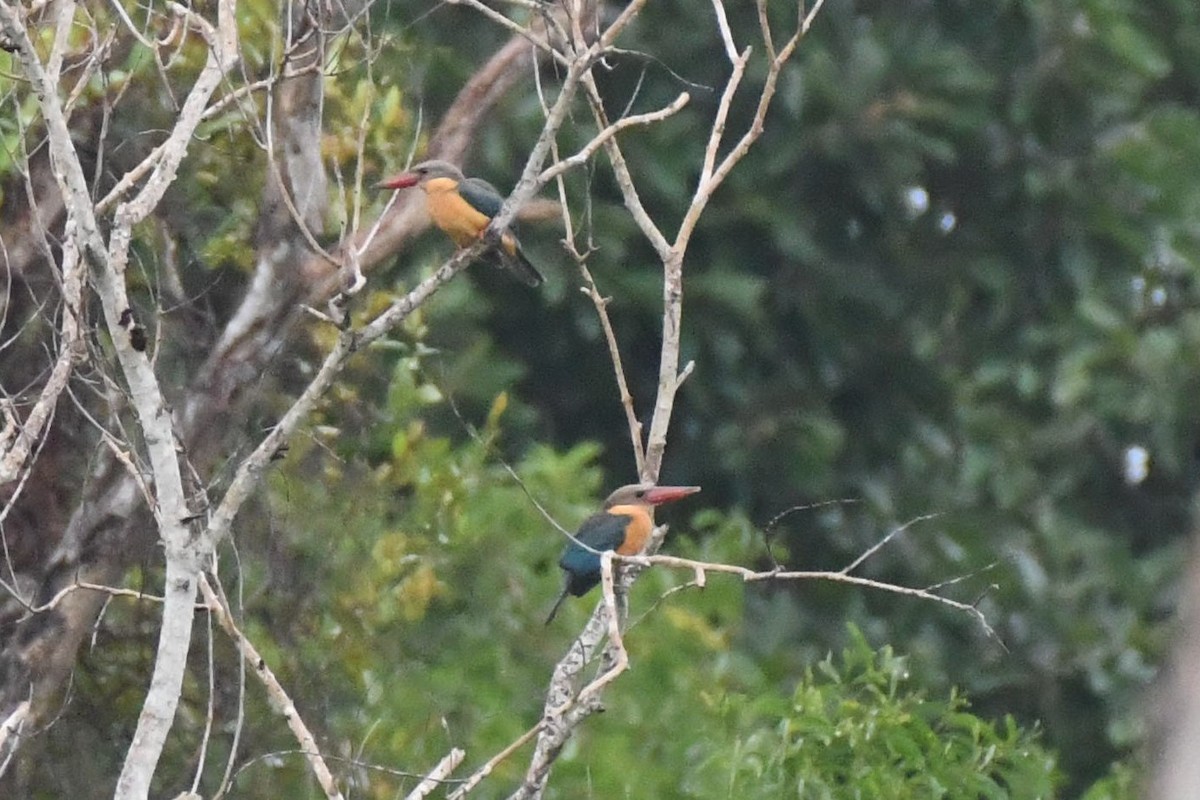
(457, 218)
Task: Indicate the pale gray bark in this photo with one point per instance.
(111, 526)
(1174, 741)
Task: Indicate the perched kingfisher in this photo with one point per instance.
(624, 526)
(463, 208)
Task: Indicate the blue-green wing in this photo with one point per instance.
(485, 199)
(482, 196)
(600, 532)
(603, 531)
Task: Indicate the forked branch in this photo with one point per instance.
(558, 726)
(280, 699)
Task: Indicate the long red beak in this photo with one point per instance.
(658, 495)
(401, 181)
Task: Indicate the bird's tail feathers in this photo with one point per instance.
(519, 265)
(508, 255)
(557, 604)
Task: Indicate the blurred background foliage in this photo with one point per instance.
(955, 277)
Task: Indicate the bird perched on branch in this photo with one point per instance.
(463, 208)
(623, 526)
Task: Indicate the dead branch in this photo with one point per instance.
(587, 151)
(250, 470)
(558, 726)
(11, 728)
(108, 259)
(614, 353)
(21, 437)
(480, 774)
(620, 167)
(111, 591)
(279, 696)
(437, 775)
(842, 576)
(616, 646)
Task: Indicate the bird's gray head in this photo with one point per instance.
(647, 494)
(422, 173)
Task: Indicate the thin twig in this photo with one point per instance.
(629, 193)
(437, 775)
(112, 591)
(11, 727)
(614, 353)
(749, 575)
(480, 774)
(210, 663)
(279, 697)
(520, 30)
(599, 140)
(892, 534)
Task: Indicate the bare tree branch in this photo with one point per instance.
(750, 576)
(279, 696)
(106, 531)
(19, 438)
(617, 656)
(437, 775)
(598, 141)
(483, 772)
(250, 470)
(614, 353)
(183, 554)
(11, 728)
(557, 727)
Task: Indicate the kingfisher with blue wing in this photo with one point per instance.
(623, 526)
(463, 208)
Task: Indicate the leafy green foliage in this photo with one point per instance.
(438, 597)
(957, 275)
(855, 728)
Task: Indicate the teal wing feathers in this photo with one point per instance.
(600, 532)
(482, 196)
(485, 199)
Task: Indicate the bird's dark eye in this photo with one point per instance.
(641, 493)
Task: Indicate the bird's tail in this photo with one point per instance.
(511, 257)
(557, 604)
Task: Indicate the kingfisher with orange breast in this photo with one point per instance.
(623, 526)
(463, 208)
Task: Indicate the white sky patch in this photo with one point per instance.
(1137, 464)
(916, 201)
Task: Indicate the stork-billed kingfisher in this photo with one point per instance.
(463, 208)
(624, 526)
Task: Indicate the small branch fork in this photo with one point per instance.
(189, 547)
(279, 697)
(567, 708)
(559, 718)
(108, 261)
(713, 172)
(701, 568)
